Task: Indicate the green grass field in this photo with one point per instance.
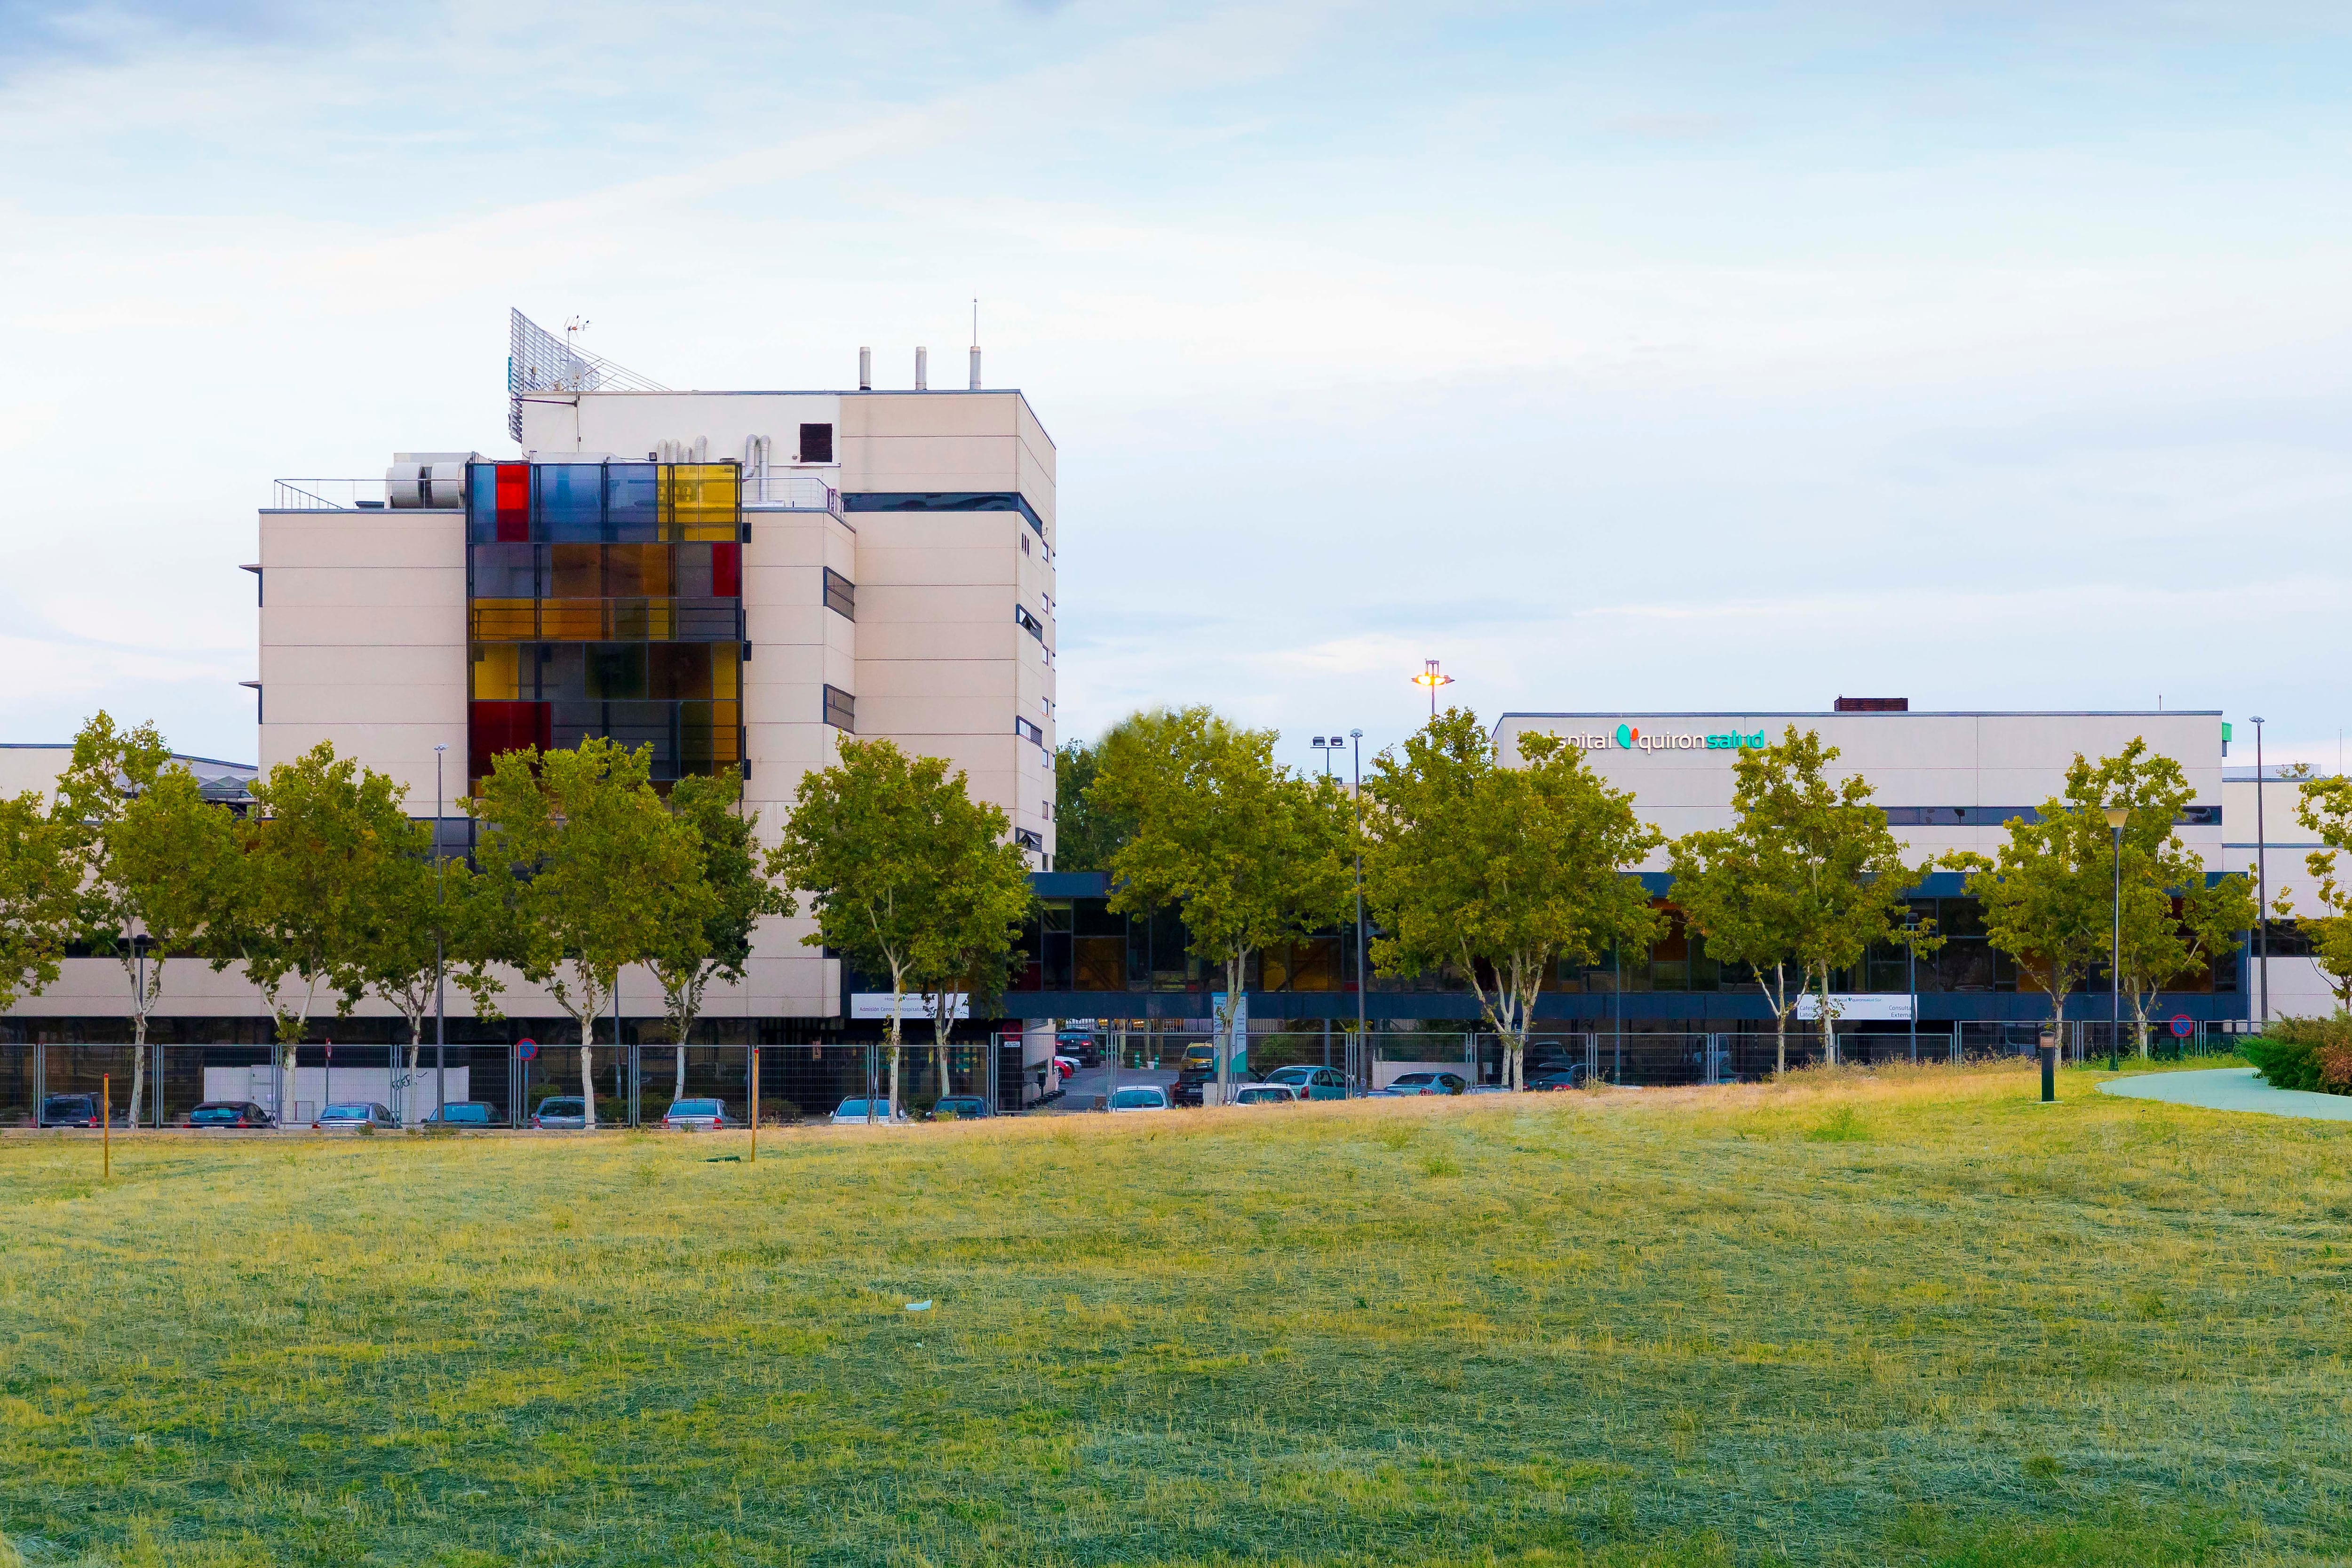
(1911, 1318)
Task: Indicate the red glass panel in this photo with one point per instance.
(727, 571)
(496, 727)
(514, 503)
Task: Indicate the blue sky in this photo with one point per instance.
(1621, 357)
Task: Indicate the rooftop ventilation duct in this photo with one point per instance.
(430, 480)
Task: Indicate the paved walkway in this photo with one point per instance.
(2230, 1089)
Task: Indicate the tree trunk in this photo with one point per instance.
(677, 1055)
(1829, 1022)
(587, 1069)
(137, 1063)
(1779, 1000)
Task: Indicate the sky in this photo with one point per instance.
(1624, 357)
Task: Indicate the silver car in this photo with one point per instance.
(353, 1116)
(698, 1116)
(853, 1113)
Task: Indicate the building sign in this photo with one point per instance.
(1874, 1006)
(1632, 738)
(877, 1004)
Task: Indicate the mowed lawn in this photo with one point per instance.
(1907, 1318)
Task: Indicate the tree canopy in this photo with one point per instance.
(1499, 872)
(712, 939)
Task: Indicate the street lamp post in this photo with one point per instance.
(440, 998)
(2262, 886)
(2116, 815)
(1363, 1040)
(1430, 678)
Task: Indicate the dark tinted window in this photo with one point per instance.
(840, 595)
(817, 443)
(840, 709)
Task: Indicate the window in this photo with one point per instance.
(1026, 730)
(840, 593)
(840, 709)
(1028, 623)
(817, 443)
(1027, 839)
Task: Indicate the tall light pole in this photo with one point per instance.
(1327, 744)
(440, 997)
(2116, 816)
(2262, 887)
(1430, 678)
(1363, 1040)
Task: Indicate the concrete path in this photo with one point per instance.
(2230, 1089)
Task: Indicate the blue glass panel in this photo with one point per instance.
(567, 502)
(633, 502)
(482, 504)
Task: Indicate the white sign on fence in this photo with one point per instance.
(877, 1004)
(1876, 1006)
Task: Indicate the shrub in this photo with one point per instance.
(2304, 1053)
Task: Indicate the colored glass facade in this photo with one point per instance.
(606, 599)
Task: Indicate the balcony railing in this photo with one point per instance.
(326, 495)
(789, 492)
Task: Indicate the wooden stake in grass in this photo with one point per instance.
(755, 1105)
(105, 1126)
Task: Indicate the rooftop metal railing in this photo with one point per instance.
(326, 495)
(789, 492)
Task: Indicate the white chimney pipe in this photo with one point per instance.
(922, 370)
(975, 367)
(865, 370)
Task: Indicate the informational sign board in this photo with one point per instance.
(877, 1004)
(1872, 1006)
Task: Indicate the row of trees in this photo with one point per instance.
(324, 891)
(1501, 874)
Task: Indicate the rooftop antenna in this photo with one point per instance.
(975, 342)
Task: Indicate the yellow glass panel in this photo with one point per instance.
(571, 620)
(701, 500)
(726, 673)
(504, 620)
(497, 672)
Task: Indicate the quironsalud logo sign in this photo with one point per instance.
(1629, 738)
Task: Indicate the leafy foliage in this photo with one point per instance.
(2325, 806)
(1499, 872)
(1086, 832)
(1809, 877)
(2313, 1054)
(592, 872)
(38, 881)
(713, 941)
(1254, 852)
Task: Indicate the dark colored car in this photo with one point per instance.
(76, 1111)
(230, 1113)
(959, 1108)
(1199, 1066)
(559, 1111)
(462, 1113)
(1559, 1077)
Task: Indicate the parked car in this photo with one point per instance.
(1198, 1066)
(853, 1113)
(463, 1113)
(1065, 1066)
(351, 1117)
(76, 1111)
(960, 1108)
(560, 1112)
(230, 1113)
(1490, 1089)
(1140, 1097)
(1267, 1094)
(1558, 1079)
(698, 1116)
(1430, 1083)
(1312, 1082)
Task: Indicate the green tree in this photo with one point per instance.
(298, 906)
(1253, 853)
(1086, 832)
(38, 881)
(2325, 807)
(978, 903)
(1808, 877)
(2173, 921)
(422, 921)
(695, 951)
(591, 870)
(1499, 872)
(2049, 894)
(150, 856)
(864, 841)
